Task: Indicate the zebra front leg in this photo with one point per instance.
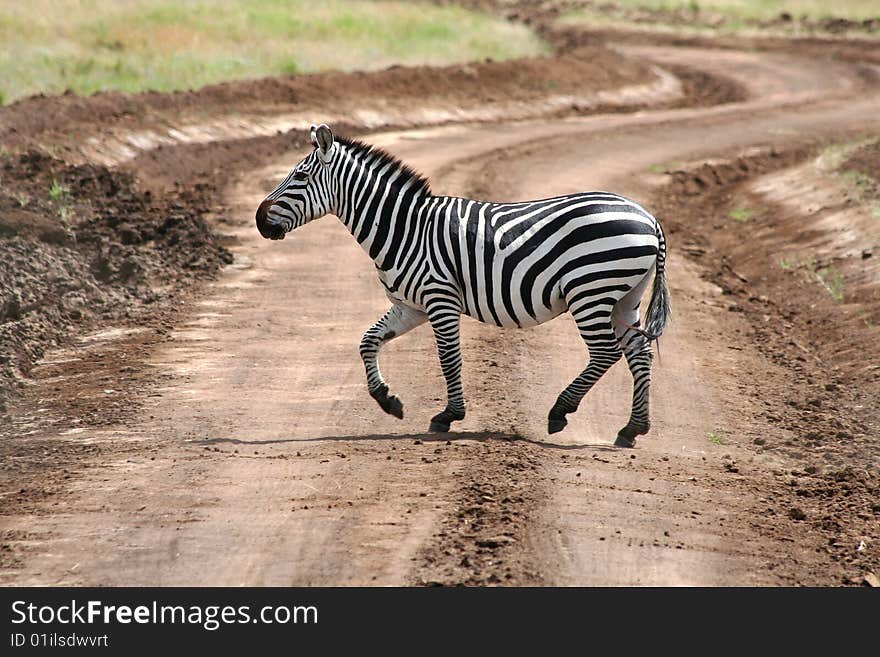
(398, 320)
(446, 323)
(604, 352)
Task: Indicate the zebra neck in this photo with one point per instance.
(384, 214)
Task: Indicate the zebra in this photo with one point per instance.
(509, 264)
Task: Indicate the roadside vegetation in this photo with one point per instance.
(765, 9)
(50, 46)
(702, 16)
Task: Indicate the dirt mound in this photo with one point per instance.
(542, 14)
(65, 120)
(815, 343)
(81, 245)
(798, 324)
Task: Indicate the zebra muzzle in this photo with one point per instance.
(267, 228)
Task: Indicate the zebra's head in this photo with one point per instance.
(305, 194)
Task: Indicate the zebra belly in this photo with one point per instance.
(498, 315)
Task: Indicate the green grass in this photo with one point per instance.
(49, 46)
(829, 277)
(832, 281)
(57, 191)
(741, 215)
(715, 437)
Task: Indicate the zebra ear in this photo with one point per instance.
(312, 139)
(324, 142)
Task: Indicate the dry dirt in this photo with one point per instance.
(227, 438)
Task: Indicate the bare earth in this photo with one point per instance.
(256, 457)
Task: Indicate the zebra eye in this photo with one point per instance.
(301, 175)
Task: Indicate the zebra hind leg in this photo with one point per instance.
(394, 323)
(638, 354)
(446, 322)
(604, 352)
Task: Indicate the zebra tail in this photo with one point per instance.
(659, 309)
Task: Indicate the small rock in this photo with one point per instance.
(796, 513)
(871, 580)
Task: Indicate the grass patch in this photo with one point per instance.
(832, 156)
(57, 191)
(741, 215)
(91, 45)
(861, 186)
(832, 281)
(829, 277)
(790, 264)
(715, 437)
(659, 167)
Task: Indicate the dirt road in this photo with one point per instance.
(262, 460)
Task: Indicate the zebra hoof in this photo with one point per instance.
(556, 421)
(626, 437)
(555, 425)
(441, 422)
(393, 406)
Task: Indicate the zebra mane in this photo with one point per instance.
(378, 158)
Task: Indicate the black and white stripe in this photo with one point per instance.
(510, 264)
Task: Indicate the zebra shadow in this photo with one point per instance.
(452, 437)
